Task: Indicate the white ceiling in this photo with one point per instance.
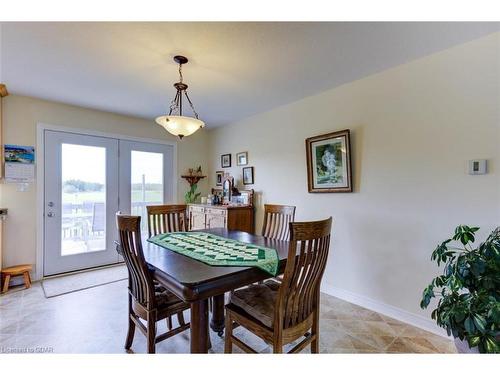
(235, 69)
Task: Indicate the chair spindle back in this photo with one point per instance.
(308, 251)
(166, 218)
(141, 285)
(276, 221)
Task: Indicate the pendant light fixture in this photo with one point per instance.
(175, 123)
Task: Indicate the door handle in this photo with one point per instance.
(50, 214)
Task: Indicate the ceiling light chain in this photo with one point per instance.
(191, 104)
(174, 105)
(180, 73)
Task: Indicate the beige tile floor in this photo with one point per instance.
(94, 321)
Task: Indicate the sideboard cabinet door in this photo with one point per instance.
(215, 221)
(196, 219)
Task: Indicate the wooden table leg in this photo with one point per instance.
(199, 326)
(217, 321)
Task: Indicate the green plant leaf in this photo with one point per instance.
(491, 345)
(469, 325)
(474, 341)
(494, 313)
(426, 296)
(480, 323)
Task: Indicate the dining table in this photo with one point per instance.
(196, 282)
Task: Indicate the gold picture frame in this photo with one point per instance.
(329, 163)
(242, 158)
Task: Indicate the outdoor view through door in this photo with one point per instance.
(146, 170)
(83, 219)
(87, 179)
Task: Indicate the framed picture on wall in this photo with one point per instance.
(219, 175)
(329, 163)
(225, 160)
(248, 176)
(242, 158)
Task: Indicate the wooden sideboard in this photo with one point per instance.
(205, 216)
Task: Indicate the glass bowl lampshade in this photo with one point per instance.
(180, 126)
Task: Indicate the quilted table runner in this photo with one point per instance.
(219, 251)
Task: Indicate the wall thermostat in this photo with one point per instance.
(477, 166)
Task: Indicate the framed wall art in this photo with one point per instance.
(329, 163)
(248, 176)
(242, 158)
(225, 160)
(219, 176)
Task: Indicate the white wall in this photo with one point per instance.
(413, 129)
(20, 116)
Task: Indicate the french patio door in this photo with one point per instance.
(146, 172)
(87, 179)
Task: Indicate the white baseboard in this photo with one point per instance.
(385, 309)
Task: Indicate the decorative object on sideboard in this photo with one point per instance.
(225, 160)
(468, 290)
(243, 197)
(248, 176)
(227, 189)
(242, 158)
(175, 122)
(235, 192)
(329, 163)
(216, 199)
(235, 216)
(192, 195)
(219, 175)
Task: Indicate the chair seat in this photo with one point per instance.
(164, 297)
(258, 300)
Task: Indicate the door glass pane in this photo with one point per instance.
(147, 182)
(83, 208)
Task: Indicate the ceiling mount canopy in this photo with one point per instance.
(175, 122)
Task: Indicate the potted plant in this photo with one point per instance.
(468, 291)
(192, 196)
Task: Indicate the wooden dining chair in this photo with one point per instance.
(147, 299)
(166, 218)
(281, 313)
(276, 221)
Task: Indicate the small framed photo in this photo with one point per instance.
(329, 163)
(242, 158)
(248, 176)
(219, 176)
(225, 160)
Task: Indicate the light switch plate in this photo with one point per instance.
(477, 166)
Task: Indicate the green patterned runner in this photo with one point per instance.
(219, 251)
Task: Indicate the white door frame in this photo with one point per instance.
(40, 170)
